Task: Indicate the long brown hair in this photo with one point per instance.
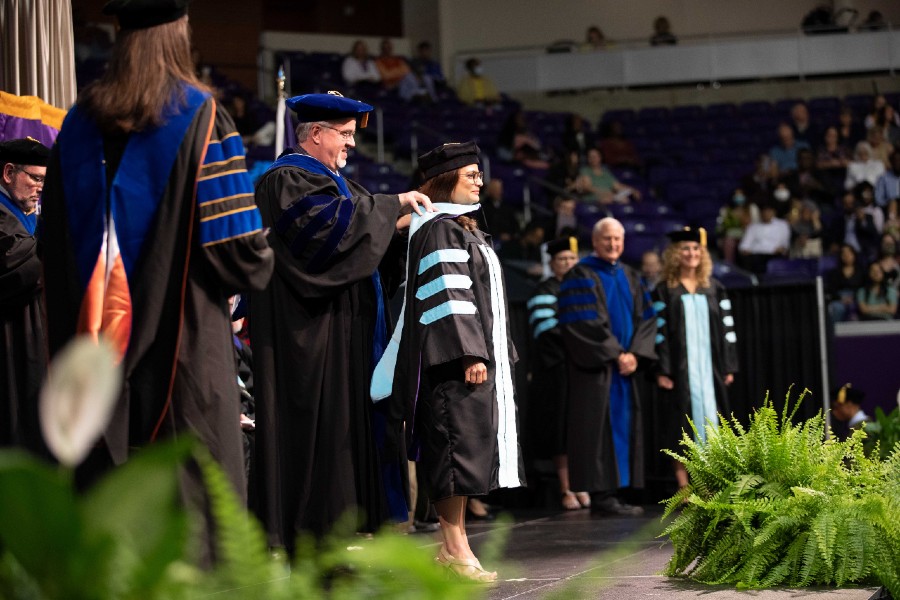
(671, 267)
(440, 189)
(144, 78)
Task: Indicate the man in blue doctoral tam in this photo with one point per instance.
(320, 327)
(609, 333)
(23, 353)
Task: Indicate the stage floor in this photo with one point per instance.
(579, 555)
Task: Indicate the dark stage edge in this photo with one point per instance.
(577, 554)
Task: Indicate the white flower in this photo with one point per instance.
(78, 398)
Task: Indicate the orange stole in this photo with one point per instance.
(106, 307)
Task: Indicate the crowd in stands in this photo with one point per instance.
(786, 189)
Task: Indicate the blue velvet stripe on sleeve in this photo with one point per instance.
(345, 214)
(541, 299)
(299, 209)
(577, 315)
(223, 186)
(575, 300)
(223, 150)
(543, 326)
(577, 283)
(229, 225)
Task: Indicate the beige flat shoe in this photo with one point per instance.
(584, 499)
(569, 501)
(467, 569)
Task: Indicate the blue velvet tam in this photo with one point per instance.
(142, 14)
(328, 107)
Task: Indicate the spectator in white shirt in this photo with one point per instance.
(863, 167)
(762, 241)
(359, 66)
(887, 188)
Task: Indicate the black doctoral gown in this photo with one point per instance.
(190, 236)
(549, 390)
(593, 351)
(465, 436)
(23, 345)
(715, 352)
(312, 335)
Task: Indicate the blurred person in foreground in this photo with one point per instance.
(150, 225)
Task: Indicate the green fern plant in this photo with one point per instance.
(778, 504)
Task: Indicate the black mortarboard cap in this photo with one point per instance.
(24, 151)
(688, 234)
(447, 158)
(141, 14)
(848, 393)
(562, 244)
(328, 107)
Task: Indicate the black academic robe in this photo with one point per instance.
(312, 336)
(190, 236)
(548, 394)
(718, 350)
(23, 345)
(464, 436)
(593, 352)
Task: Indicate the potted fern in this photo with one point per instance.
(778, 504)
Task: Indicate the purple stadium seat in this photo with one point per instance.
(638, 243)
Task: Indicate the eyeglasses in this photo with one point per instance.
(345, 135)
(474, 176)
(37, 179)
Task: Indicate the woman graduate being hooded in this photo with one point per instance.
(449, 364)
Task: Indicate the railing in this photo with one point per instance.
(711, 60)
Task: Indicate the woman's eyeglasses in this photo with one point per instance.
(474, 176)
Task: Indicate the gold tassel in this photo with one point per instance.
(842, 393)
(573, 244)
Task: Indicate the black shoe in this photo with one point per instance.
(470, 516)
(612, 506)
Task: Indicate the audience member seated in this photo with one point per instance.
(832, 160)
(476, 89)
(886, 122)
(803, 128)
(575, 138)
(785, 152)
(499, 219)
(763, 178)
(393, 68)
(887, 188)
(807, 183)
(863, 167)
(597, 184)
(876, 301)
(662, 33)
(849, 129)
(841, 284)
(563, 222)
(425, 59)
(527, 248)
(244, 122)
(359, 67)
(417, 87)
(887, 258)
(617, 150)
(782, 200)
(564, 172)
(651, 269)
(854, 227)
(865, 195)
(881, 149)
(517, 143)
(878, 103)
(765, 240)
(806, 231)
(733, 220)
(874, 22)
(593, 39)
